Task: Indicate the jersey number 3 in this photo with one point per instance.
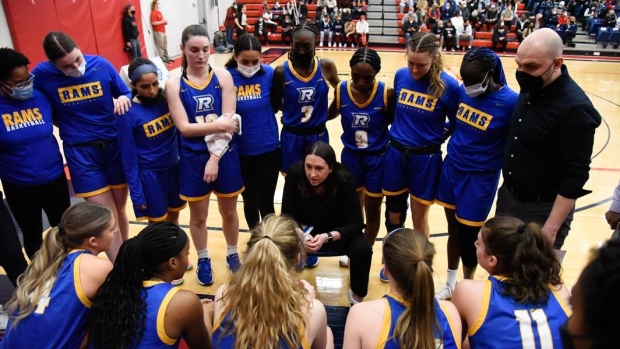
(526, 319)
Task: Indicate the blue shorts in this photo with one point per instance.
(367, 170)
(95, 167)
(192, 169)
(419, 174)
(161, 191)
(294, 147)
(471, 194)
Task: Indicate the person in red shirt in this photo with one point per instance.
(563, 20)
(229, 23)
(159, 32)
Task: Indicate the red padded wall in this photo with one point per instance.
(74, 19)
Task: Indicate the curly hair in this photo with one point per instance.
(10, 59)
(428, 43)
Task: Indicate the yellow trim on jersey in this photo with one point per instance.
(152, 219)
(218, 321)
(119, 186)
(560, 300)
(362, 189)
(177, 209)
(161, 315)
(316, 67)
(484, 309)
(304, 340)
(393, 193)
(93, 193)
(368, 101)
(443, 204)
(457, 338)
(374, 195)
(220, 195)
(422, 201)
(194, 198)
(77, 281)
(337, 91)
(385, 328)
(470, 223)
(204, 85)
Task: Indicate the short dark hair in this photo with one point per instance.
(57, 45)
(10, 59)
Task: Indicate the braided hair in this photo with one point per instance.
(489, 61)
(309, 26)
(10, 59)
(428, 43)
(366, 55)
(117, 317)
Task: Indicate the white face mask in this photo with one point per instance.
(246, 71)
(76, 73)
(476, 90)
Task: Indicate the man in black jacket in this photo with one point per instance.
(131, 33)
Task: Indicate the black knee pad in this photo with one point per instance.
(467, 237)
(396, 204)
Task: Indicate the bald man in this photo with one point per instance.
(551, 134)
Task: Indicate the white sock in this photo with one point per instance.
(230, 250)
(203, 253)
(452, 278)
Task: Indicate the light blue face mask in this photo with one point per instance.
(23, 90)
(476, 90)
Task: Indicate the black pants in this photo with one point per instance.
(26, 203)
(498, 41)
(11, 256)
(289, 35)
(260, 176)
(359, 251)
(537, 212)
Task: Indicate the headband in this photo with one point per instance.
(141, 70)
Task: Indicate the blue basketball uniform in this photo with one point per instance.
(157, 296)
(29, 153)
(57, 322)
(365, 135)
(204, 104)
(394, 309)
(416, 135)
(471, 170)
(84, 110)
(304, 112)
(223, 336)
(503, 322)
(260, 128)
(150, 158)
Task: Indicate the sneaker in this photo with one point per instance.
(204, 271)
(340, 45)
(177, 282)
(350, 296)
(233, 263)
(321, 44)
(383, 277)
(444, 293)
(452, 49)
(312, 261)
(344, 261)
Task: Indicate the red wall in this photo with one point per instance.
(95, 25)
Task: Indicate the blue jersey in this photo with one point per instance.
(396, 306)
(420, 118)
(29, 153)
(305, 99)
(223, 336)
(83, 106)
(481, 128)
(259, 133)
(57, 322)
(504, 322)
(148, 141)
(364, 125)
(202, 104)
(157, 296)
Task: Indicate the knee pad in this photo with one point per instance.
(396, 204)
(467, 237)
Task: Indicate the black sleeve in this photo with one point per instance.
(290, 194)
(350, 208)
(126, 29)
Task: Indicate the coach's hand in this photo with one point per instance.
(613, 219)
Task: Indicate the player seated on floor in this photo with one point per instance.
(265, 305)
(50, 306)
(138, 307)
(524, 296)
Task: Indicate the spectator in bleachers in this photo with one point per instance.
(406, 18)
(507, 16)
(219, 41)
(326, 28)
(475, 20)
(406, 4)
(528, 30)
(268, 17)
(349, 30)
(467, 34)
(481, 7)
(492, 17)
(447, 11)
(303, 12)
(288, 10)
(287, 28)
(359, 11)
(538, 22)
(499, 36)
(449, 36)
(524, 286)
(421, 11)
(339, 31)
(320, 5)
(362, 31)
(276, 13)
(242, 20)
(347, 15)
(571, 32)
(433, 14)
(260, 30)
(343, 4)
(589, 13)
(551, 21)
(437, 30)
(610, 20)
(561, 6)
(464, 10)
(563, 20)
(321, 14)
(331, 5)
(131, 33)
(229, 23)
(457, 22)
(410, 26)
(521, 25)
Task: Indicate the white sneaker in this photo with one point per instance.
(321, 44)
(344, 261)
(351, 300)
(444, 293)
(340, 45)
(331, 45)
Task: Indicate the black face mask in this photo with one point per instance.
(148, 100)
(530, 83)
(303, 59)
(132, 12)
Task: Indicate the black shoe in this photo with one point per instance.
(605, 45)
